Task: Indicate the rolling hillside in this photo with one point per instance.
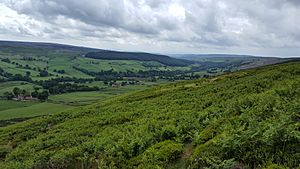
(246, 119)
(15, 45)
(114, 55)
(240, 61)
(80, 62)
(14, 56)
(36, 67)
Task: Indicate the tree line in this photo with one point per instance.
(109, 75)
(54, 86)
(22, 94)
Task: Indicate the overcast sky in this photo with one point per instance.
(260, 27)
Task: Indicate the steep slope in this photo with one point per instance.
(247, 119)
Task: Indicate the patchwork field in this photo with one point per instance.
(66, 62)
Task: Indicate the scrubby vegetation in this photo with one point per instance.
(247, 119)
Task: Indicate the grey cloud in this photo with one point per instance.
(295, 2)
(194, 24)
(157, 3)
(114, 13)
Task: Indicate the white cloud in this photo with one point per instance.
(267, 27)
(18, 24)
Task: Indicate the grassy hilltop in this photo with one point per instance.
(246, 119)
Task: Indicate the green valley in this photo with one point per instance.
(149, 84)
(244, 119)
(47, 75)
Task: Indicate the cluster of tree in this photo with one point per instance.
(24, 67)
(40, 95)
(22, 94)
(5, 60)
(17, 64)
(182, 77)
(15, 77)
(110, 75)
(59, 71)
(56, 86)
(212, 70)
(69, 87)
(28, 58)
(104, 75)
(122, 83)
(42, 72)
(67, 79)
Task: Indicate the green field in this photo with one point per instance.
(245, 119)
(78, 98)
(10, 104)
(121, 65)
(85, 98)
(9, 86)
(17, 109)
(10, 68)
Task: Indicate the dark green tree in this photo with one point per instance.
(8, 95)
(43, 95)
(35, 94)
(28, 74)
(44, 73)
(17, 91)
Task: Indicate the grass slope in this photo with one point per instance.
(86, 98)
(247, 119)
(30, 109)
(10, 104)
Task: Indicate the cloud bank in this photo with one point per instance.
(267, 27)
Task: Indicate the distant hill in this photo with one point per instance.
(199, 56)
(242, 61)
(35, 47)
(246, 119)
(115, 55)
(228, 56)
(42, 45)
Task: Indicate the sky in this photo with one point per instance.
(257, 27)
